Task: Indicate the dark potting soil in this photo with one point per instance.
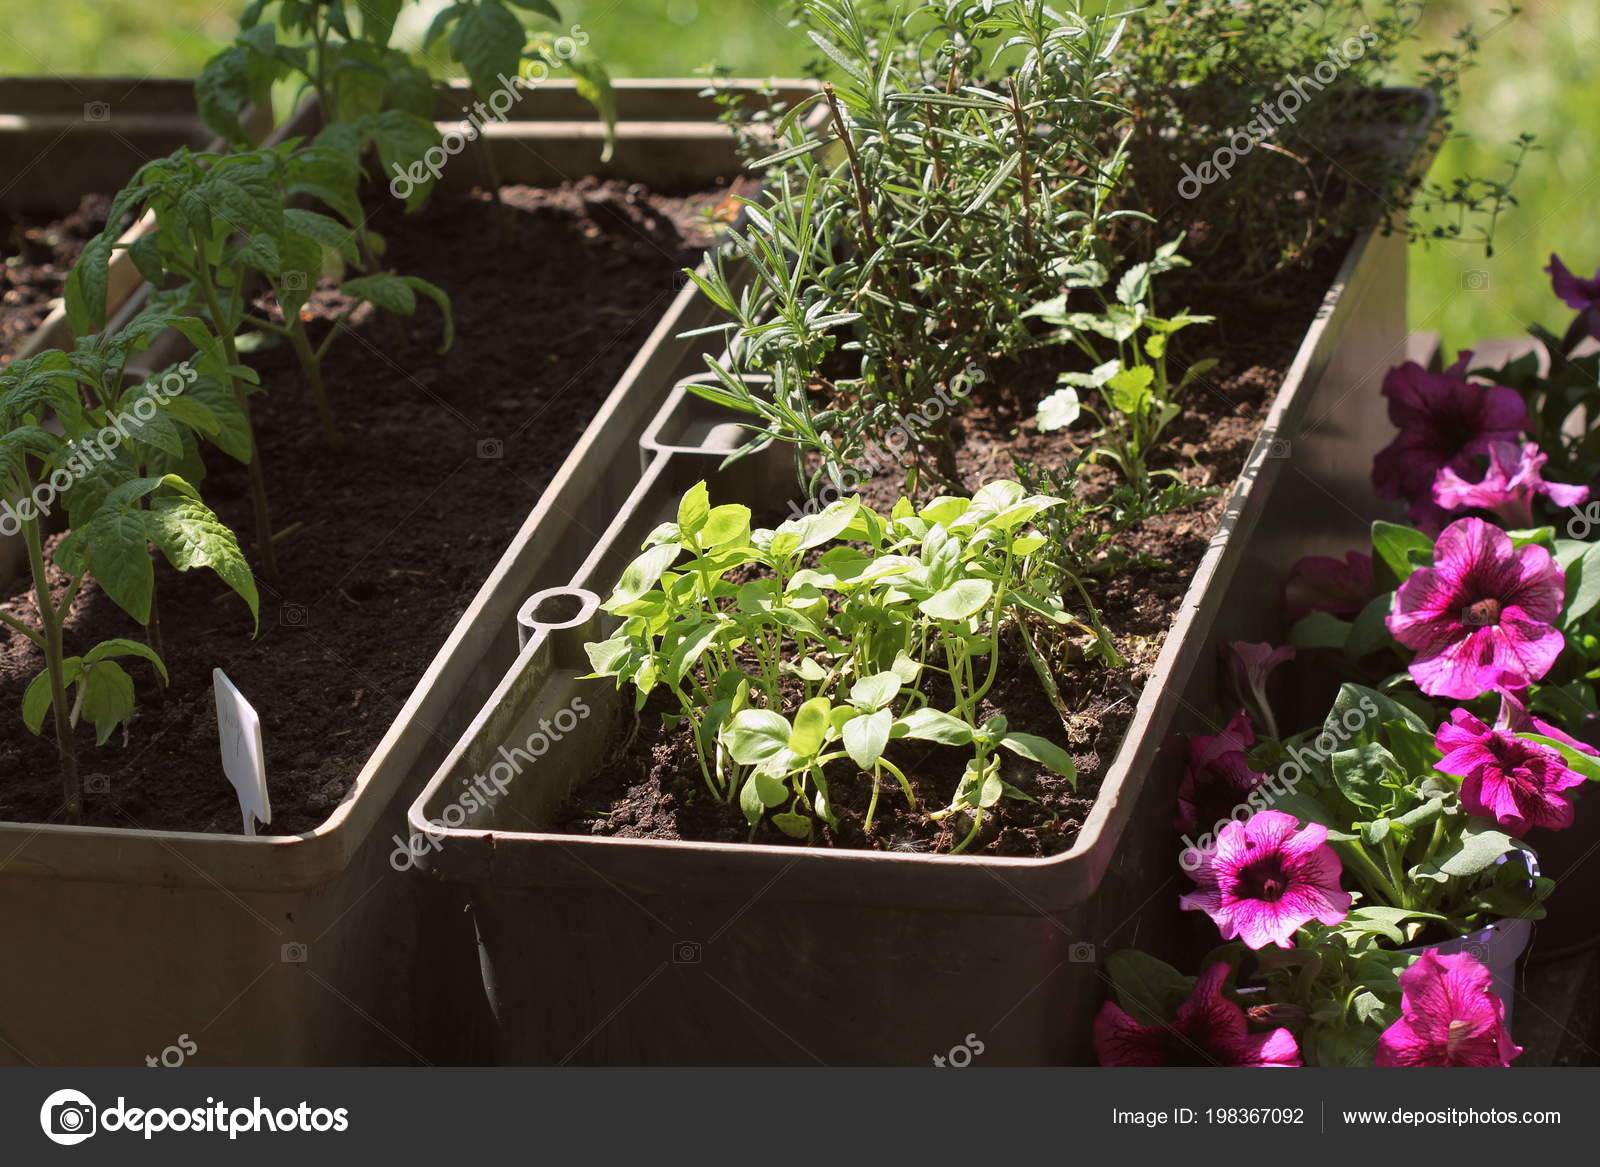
(651, 786)
(37, 256)
(390, 537)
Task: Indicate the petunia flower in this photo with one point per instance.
(1517, 783)
(1319, 583)
(1265, 878)
(1250, 665)
(1449, 1016)
(1444, 419)
(1210, 1030)
(1482, 617)
(1217, 776)
(1582, 296)
(1515, 718)
(1508, 486)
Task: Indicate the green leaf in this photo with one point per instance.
(1395, 548)
(725, 524)
(866, 736)
(934, 726)
(488, 41)
(385, 289)
(107, 697)
(796, 826)
(1043, 751)
(86, 285)
(642, 574)
(875, 692)
(1149, 990)
(1320, 630)
(1480, 850)
(1130, 390)
(755, 735)
(693, 510)
(959, 601)
(119, 647)
(1368, 775)
(36, 702)
(1583, 586)
(810, 727)
(190, 535)
(1058, 410)
(440, 298)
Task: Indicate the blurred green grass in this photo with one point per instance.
(1539, 74)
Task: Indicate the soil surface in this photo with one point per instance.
(383, 543)
(37, 257)
(652, 787)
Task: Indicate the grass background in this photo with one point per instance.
(1539, 73)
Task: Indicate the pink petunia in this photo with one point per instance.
(1319, 583)
(1266, 877)
(1217, 776)
(1250, 665)
(1444, 420)
(1517, 783)
(1515, 718)
(1581, 295)
(1449, 1016)
(1482, 617)
(1210, 1030)
(1514, 476)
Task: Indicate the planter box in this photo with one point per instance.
(314, 949)
(625, 951)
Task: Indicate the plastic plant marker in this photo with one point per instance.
(243, 759)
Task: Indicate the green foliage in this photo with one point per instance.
(823, 655)
(915, 210)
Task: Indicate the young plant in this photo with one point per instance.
(117, 513)
(858, 630)
(1138, 394)
(947, 180)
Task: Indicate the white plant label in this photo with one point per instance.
(243, 759)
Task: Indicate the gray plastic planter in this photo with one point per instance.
(624, 951)
(315, 948)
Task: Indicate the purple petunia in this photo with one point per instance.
(1449, 1016)
(1217, 776)
(1319, 583)
(1266, 877)
(1514, 476)
(1482, 617)
(1210, 1030)
(1517, 783)
(1444, 420)
(1582, 296)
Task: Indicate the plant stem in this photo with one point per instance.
(54, 657)
(312, 367)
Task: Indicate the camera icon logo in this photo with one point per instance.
(294, 616)
(1475, 280)
(1081, 953)
(1279, 449)
(686, 952)
(1477, 950)
(293, 281)
(97, 111)
(294, 953)
(68, 1117)
(96, 784)
(490, 449)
